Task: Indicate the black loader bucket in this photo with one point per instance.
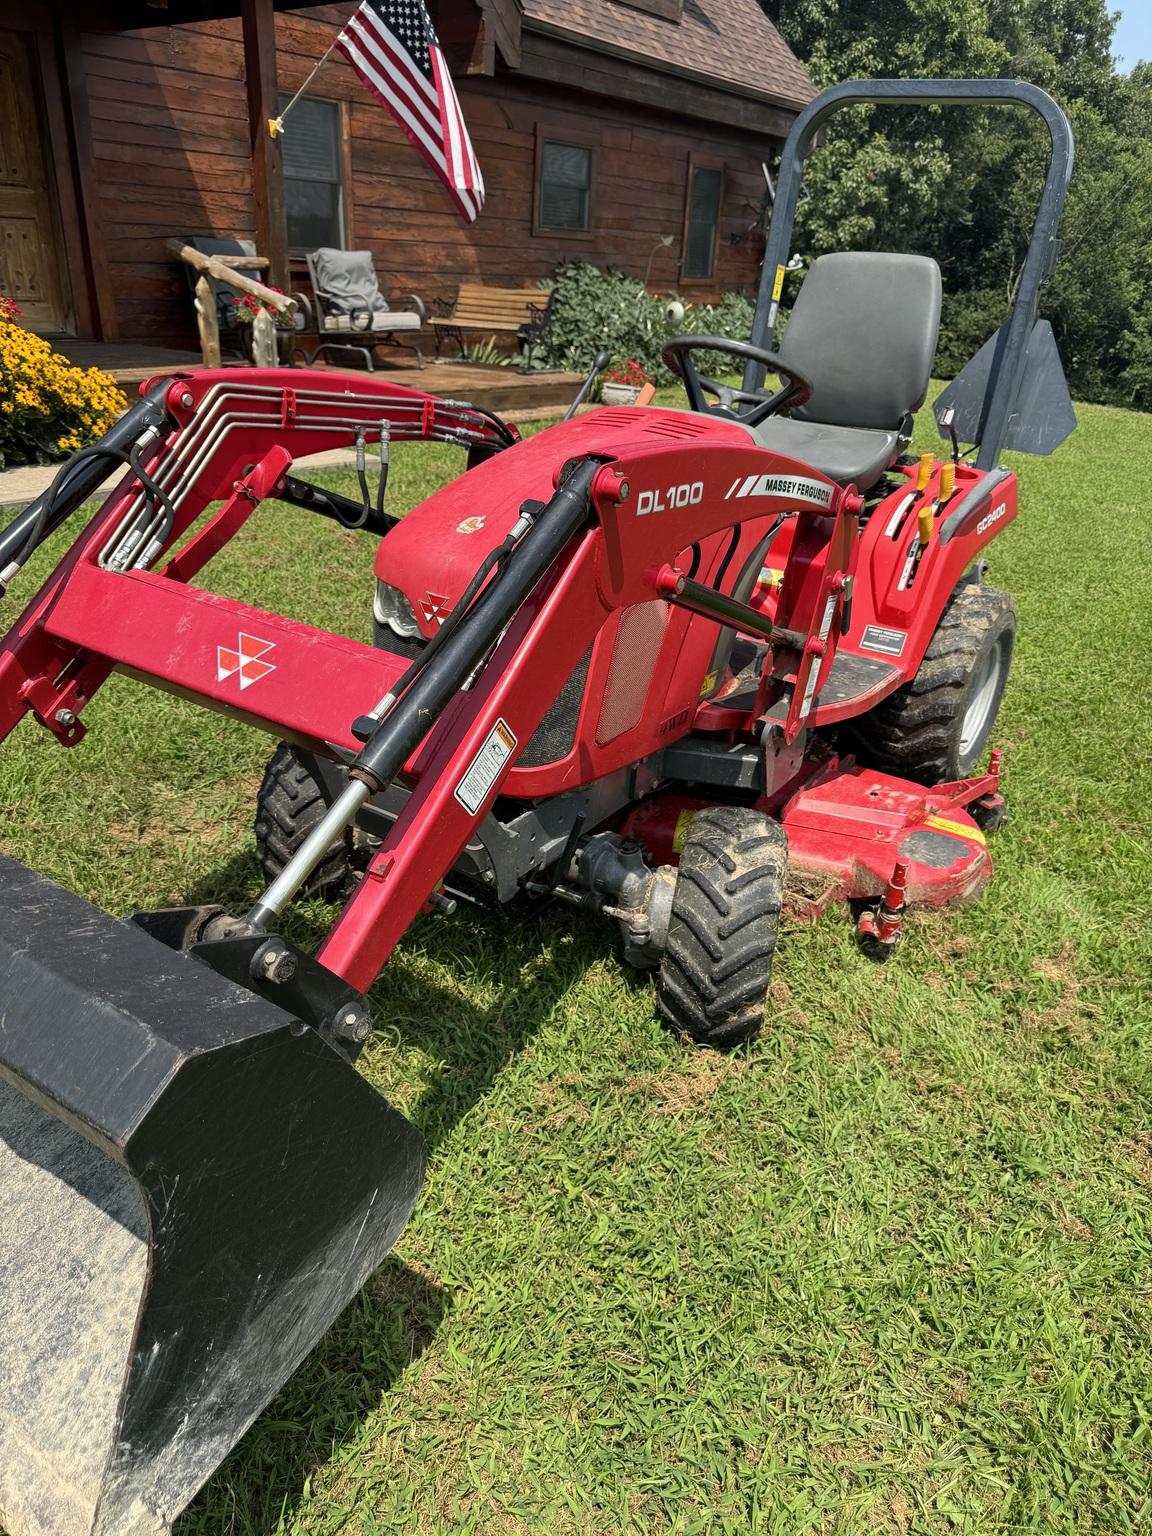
(192, 1186)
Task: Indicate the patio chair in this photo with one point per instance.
(349, 304)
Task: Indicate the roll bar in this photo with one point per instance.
(1009, 358)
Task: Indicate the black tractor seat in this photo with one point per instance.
(849, 455)
(863, 329)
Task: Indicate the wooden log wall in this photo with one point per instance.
(171, 157)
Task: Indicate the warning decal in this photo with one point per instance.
(956, 829)
(486, 767)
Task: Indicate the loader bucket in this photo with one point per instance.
(192, 1186)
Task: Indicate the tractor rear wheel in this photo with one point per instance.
(714, 975)
(937, 726)
(289, 804)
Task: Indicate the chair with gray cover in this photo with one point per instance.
(349, 304)
(863, 331)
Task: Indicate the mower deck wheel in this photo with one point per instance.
(288, 805)
(713, 982)
(937, 726)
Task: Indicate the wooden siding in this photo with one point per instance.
(170, 155)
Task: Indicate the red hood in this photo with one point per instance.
(431, 555)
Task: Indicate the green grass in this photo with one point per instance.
(888, 1270)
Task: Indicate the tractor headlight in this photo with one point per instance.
(391, 607)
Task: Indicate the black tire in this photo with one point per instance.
(937, 726)
(289, 802)
(288, 805)
(713, 982)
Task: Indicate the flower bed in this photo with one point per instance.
(48, 407)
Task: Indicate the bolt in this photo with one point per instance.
(187, 400)
(65, 717)
(278, 964)
(353, 1023)
(623, 491)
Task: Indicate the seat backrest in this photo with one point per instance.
(345, 281)
(498, 309)
(863, 330)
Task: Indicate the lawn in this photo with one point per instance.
(887, 1270)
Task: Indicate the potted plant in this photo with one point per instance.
(246, 307)
(623, 384)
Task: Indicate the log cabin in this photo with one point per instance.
(633, 132)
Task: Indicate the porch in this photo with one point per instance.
(517, 396)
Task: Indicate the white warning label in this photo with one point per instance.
(486, 767)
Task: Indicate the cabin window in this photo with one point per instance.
(313, 149)
(702, 220)
(564, 199)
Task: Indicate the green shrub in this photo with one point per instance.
(599, 308)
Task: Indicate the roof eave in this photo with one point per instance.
(775, 99)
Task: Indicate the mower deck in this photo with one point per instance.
(849, 829)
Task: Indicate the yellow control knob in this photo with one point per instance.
(947, 482)
(924, 518)
(924, 473)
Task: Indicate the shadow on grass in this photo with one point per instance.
(385, 1330)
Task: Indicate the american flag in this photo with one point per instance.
(392, 46)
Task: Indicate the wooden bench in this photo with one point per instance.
(522, 312)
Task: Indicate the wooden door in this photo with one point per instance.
(32, 268)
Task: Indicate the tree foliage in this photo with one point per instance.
(962, 185)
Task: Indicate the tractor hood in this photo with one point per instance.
(431, 555)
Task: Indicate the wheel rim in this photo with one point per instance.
(981, 709)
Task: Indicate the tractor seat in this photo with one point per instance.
(863, 330)
(849, 455)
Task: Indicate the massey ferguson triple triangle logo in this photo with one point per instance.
(244, 659)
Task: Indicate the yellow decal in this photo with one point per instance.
(778, 285)
(771, 576)
(680, 835)
(708, 684)
(956, 829)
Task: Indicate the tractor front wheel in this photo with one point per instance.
(713, 983)
(289, 804)
(937, 726)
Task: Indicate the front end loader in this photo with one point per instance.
(670, 667)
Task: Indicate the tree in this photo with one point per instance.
(961, 185)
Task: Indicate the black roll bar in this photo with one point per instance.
(1008, 362)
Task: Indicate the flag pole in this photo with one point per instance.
(276, 124)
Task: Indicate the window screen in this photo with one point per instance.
(703, 217)
(565, 186)
(313, 174)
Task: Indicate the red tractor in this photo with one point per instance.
(669, 666)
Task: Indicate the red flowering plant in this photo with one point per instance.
(9, 309)
(245, 308)
(630, 373)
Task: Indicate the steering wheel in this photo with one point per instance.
(678, 356)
